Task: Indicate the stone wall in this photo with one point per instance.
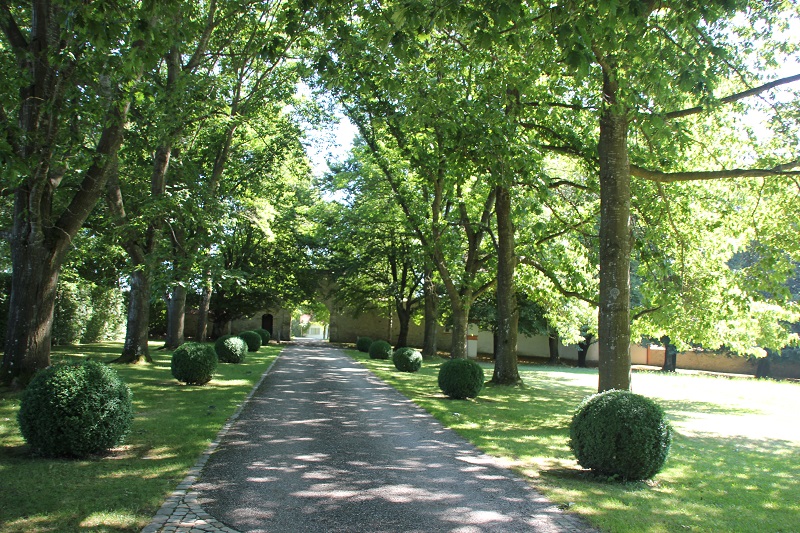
(281, 323)
(348, 327)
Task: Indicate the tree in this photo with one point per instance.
(631, 68)
(255, 270)
(372, 253)
(254, 131)
(423, 125)
(224, 71)
(56, 161)
(622, 49)
(264, 236)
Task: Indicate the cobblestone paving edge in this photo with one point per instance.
(181, 513)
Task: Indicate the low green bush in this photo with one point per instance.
(380, 350)
(407, 359)
(75, 410)
(265, 336)
(620, 434)
(230, 349)
(461, 378)
(194, 363)
(252, 339)
(363, 344)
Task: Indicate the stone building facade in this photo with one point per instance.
(277, 321)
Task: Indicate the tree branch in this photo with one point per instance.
(643, 312)
(485, 287)
(735, 97)
(559, 287)
(202, 44)
(575, 107)
(12, 31)
(784, 169)
(566, 230)
(559, 183)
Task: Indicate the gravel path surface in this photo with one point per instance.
(324, 445)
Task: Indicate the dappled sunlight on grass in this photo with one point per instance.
(121, 490)
(105, 520)
(734, 463)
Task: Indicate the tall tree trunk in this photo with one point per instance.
(670, 355)
(138, 326)
(140, 248)
(764, 366)
(552, 347)
(506, 371)
(583, 349)
(30, 314)
(459, 335)
(429, 342)
(404, 318)
(176, 317)
(615, 244)
(39, 246)
(176, 305)
(222, 327)
(202, 313)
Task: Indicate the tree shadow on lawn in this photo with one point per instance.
(532, 419)
(120, 490)
(709, 483)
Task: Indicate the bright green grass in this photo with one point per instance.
(734, 464)
(173, 425)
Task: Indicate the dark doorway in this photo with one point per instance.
(266, 323)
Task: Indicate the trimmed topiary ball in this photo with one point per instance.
(620, 434)
(252, 339)
(407, 359)
(75, 409)
(194, 363)
(230, 349)
(461, 378)
(363, 344)
(380, 350)
(265, 336)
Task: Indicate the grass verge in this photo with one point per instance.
(734, 464)
(122, 490)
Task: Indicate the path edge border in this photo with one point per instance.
(177, 496)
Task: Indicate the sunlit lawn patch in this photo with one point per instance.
(121, 491)
(734, 465)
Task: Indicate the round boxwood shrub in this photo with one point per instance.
(265, 336)
(380, 350)
(75, 409)
(230, 349)
(252, 339)
(194, 363)
(363, 344)
(620, 434)
(461, 378)
(407, 359)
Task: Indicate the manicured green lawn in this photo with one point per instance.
(121, 491)
(734, 464)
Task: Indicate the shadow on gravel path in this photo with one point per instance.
(324, 445)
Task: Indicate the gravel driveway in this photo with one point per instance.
(324, 446)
